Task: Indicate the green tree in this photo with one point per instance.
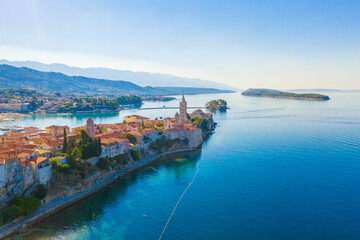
(103, 163)
(54, 161)
(135, 154)
(98, 147)
(76, 153)
(40, 192)
(33, 105)
(65, 143)
(85, 137)
(71, 161)
(131, 137)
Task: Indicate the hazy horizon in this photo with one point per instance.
(278, 45)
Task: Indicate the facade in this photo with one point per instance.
(13, 177)
(112, 147)
(14, 107)
(135, 118)
(2, 175)
(53, 146)
(42, 170)
(57, 130)
(192, 134)
(13, 171)
(30, 130)
(168, 124)
(151, 134)
(172, 133)
(198, 113)
(133, 127)
(27, 173)
(177, 119)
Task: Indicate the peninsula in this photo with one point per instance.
(44, 172)
(255, 92)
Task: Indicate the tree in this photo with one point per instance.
(85, 137)
(71, 146)
(33, 105)
(103, 163)
(71, 161)
(131, 137)
(135, 154)
(76, 153)
(98, 147)
(54, 161)
(40, 192)
(65, 143)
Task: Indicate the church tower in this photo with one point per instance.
(90, 128)
(183, 110)
(177, 119)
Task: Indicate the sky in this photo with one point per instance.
(280, 44)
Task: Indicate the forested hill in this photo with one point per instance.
(14, 77)
(279, 94)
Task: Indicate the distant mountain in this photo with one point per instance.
(139, 78)
(190, 91)
(23, 77)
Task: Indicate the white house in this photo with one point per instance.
(42, 170)
(113, 146)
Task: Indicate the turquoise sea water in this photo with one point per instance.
(274, 169)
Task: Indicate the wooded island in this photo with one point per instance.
(279, 94)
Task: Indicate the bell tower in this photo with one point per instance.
(183, 110)
(90, 128)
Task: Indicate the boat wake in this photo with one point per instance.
(178, 202)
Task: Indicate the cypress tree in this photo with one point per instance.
(65, 143)
(99, 147)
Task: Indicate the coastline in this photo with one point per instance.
(48, 209)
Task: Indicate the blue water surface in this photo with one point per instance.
(274, 169)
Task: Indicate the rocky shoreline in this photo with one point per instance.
(56, 205)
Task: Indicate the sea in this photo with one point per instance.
(274, 169)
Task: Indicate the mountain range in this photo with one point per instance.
(139, 78)
(23, 77)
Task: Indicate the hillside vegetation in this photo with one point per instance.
(280, 94)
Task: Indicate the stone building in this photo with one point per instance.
(90, 128)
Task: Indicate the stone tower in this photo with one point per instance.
(177, 119)
(90, 128)
(183, 110)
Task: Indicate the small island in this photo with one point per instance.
(252, 92)
(214, 105)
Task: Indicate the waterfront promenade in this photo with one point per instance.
(57, 204)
